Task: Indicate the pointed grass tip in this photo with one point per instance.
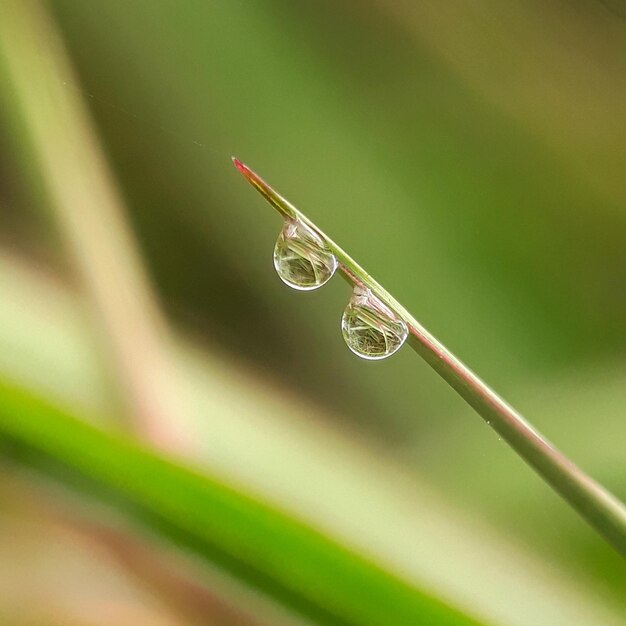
(240, 166)
(251, 176)
(273, 197)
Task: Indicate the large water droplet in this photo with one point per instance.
(371, 329)
(302, 258)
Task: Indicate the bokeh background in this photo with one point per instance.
(471, 156)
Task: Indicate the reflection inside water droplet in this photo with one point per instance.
(370, 329)
(302, 258)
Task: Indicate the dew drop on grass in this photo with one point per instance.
(302, 258)
(371, 329)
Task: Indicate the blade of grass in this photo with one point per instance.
(90, 215)
(297, 566)
(600, 508)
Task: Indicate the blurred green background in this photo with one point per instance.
(471, 156)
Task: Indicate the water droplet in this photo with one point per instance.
(302, 258)
(371, 329)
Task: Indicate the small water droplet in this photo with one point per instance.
(302, 258)
(371, 329)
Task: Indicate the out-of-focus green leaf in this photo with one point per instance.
(267, 549)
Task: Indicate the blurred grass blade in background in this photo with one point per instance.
(89, 212)
(599, 507)
(275, 554)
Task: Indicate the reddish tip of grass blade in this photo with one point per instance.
(240, 166)
(273, 197)
(251, 176)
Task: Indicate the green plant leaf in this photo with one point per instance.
(265, 548)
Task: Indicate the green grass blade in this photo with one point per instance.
(600, 508)
(262, 547)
